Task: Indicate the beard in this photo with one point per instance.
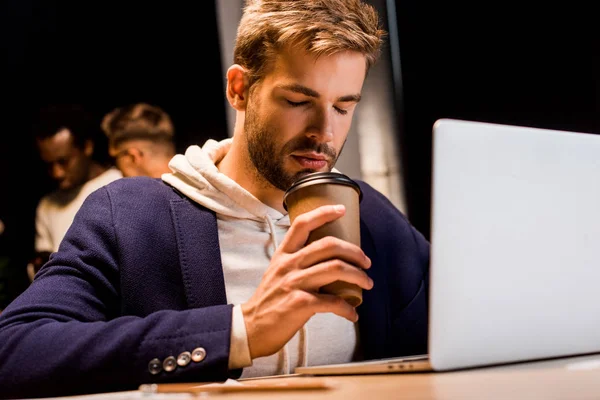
(269, 161)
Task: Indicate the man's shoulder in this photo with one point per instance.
(138, 186)
(137, 196)
(143, 191)
(372, 197)
(376, 206)
(134, 200)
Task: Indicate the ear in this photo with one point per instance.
(237, 87)
(136, 155)
(88, 148)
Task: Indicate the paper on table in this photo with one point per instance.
(231, 385)
(584, 365)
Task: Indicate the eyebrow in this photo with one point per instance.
(311, 93)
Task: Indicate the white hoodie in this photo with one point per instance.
(249, 233)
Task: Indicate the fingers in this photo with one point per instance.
(271, 324)
(329, 248)
(325, 248)
(325, 303)
(305, 223)
(311, 279)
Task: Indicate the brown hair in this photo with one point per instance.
(138, 121)
(321, 27)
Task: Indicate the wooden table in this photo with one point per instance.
(569, 378)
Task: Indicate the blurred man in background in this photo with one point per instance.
(65, 137)
(141, 139)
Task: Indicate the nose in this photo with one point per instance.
(321, 128)
(57, 172)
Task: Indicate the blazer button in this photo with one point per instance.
(155, 366)
(198, 354)
(169, 364)
(184, 358)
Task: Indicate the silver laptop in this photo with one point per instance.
(515, 249)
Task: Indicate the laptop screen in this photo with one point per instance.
(515, 232)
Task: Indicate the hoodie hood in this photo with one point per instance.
(195, 174)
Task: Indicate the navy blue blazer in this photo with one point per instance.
(138, 278)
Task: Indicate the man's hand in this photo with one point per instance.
(288, 294)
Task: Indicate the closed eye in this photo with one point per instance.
(296, 104)
(341, 111)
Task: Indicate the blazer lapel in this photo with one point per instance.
(199, 253)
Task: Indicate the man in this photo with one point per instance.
(199, 276)
(140, 139)
(65, 139)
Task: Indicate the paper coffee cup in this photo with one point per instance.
(329, 188)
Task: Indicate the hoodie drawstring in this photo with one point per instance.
(272, 232)
(286, 359)
(304, 344)
(303, 332)
(285, 353)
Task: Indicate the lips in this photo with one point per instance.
(314, 161)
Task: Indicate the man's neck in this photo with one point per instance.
(96, 169)
(238, 167)
(158, 166)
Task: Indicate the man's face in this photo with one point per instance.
(67, 164)
(298, 117)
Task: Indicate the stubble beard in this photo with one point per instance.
(268, 162)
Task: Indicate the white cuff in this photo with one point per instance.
(239, 350)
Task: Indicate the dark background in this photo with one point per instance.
(524, 64)
(104, 55)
